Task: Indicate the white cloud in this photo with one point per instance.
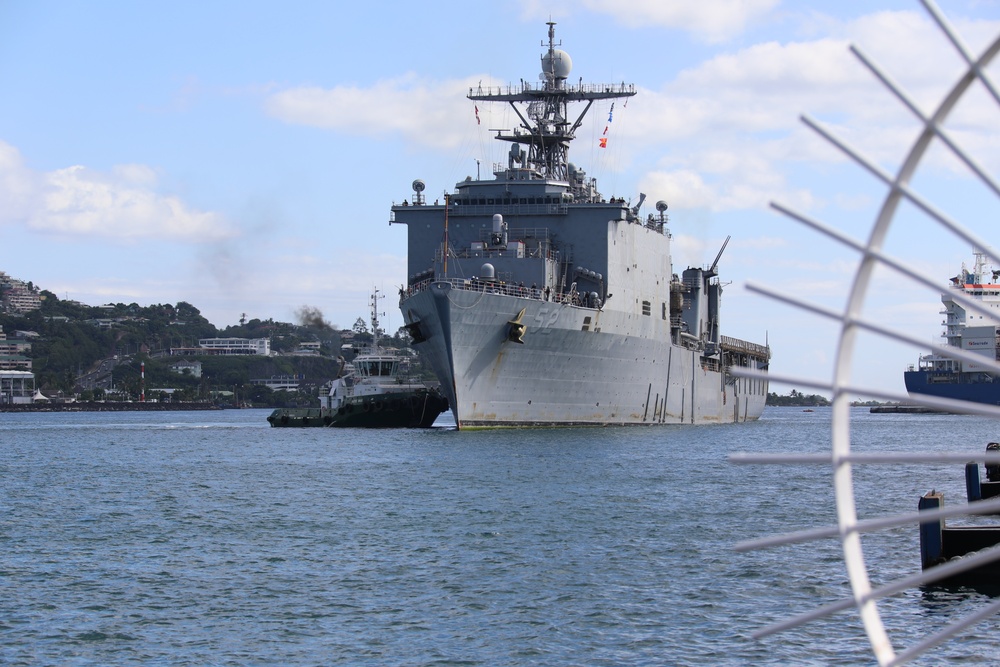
(138, 174)
(729, 125)
(121, 205)
(18, 185)
(725, 180)
(732, 125)
(406, 105)
(680, 189)
(708, 20)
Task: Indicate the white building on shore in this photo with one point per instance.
(17, 387)
(260, 346)
(225, 346)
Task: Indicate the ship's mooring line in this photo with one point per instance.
(452, 302)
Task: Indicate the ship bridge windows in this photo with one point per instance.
(377, 368)
(508, 201)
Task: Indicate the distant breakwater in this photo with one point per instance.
(95, 406)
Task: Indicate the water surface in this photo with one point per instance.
(209, 538)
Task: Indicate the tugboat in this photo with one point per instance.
(371, 393)
(539, 302)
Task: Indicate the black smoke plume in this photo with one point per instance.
(312, 317)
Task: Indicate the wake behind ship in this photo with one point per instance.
(539, 302)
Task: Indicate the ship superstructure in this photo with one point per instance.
(539, 302)
(971, 330)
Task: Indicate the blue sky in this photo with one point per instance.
(243, 156)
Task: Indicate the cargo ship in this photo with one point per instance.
(540, 302)
(937, 374)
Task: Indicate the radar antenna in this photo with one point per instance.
(543, 110)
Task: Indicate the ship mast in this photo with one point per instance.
(980, 267)
(375, 321)
(545, 126)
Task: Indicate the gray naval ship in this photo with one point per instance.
(538, 302)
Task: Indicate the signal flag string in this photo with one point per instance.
(603, 141)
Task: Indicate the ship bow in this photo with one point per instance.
(427, 314)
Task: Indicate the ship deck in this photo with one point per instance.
(727, 343)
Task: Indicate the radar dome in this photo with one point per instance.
(418, 185)
(557, 63)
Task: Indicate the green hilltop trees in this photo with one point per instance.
(74, 340)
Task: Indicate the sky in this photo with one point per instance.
(243, 156)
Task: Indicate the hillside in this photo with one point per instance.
(96, 351)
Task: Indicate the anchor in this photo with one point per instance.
(416, 333)
(515, 330)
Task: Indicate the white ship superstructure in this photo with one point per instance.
(539, 302)
(975, 330)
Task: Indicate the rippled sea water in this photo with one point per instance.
(209, 538)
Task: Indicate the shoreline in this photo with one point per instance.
(94, 406)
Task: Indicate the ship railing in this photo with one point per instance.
(744, 347)
(520, 234)
(531, 87)
(709, 364)
(569, 297)
(507, 209)
(487, 253)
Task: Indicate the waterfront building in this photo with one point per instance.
(16, 387)
(261, 346)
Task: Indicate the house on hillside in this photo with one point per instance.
(192, 367)
(19, 298)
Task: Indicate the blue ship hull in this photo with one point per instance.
(959, 386)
